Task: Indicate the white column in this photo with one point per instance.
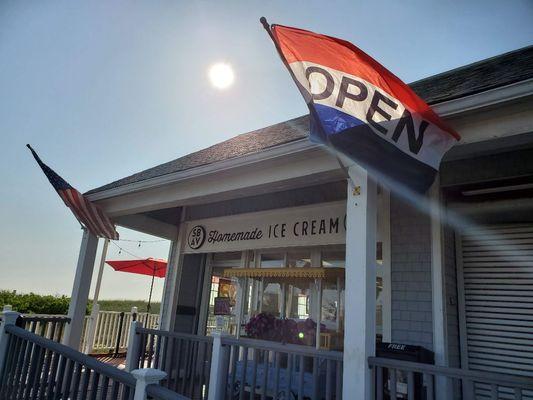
(443, 387)
(360, 292)
(80, 290)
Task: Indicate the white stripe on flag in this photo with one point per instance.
(78, 210)
(95, 218)
(436, 141)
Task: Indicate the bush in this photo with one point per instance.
(32, 303)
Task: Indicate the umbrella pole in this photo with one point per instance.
(150, 296)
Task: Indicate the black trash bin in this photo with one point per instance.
(404, 352)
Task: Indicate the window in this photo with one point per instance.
(333, 292)
(299, 259)
(333, 258)
(272, 298)
(272, 260)
(297, 298)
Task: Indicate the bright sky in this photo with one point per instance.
(105, 89)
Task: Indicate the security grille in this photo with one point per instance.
(498, 290)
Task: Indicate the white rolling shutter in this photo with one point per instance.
(498, 290)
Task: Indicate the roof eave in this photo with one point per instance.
(445, 109)
(286, 149)
(488, 98)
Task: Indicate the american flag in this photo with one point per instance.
(88, 214)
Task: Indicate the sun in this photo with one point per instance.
(221, 75)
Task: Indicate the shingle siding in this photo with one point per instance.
(411, 275)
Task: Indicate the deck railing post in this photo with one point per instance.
(134, 347)
(145, 377)
(8, 318)
(219, 368)
(119, 334)
(91, 331)
(134, 313)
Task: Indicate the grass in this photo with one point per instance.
(126, 305)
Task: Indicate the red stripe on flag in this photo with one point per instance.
(89, 212)
(95, 218)
(81, 215)
(301, 45)
(107, 222)
(102, 220)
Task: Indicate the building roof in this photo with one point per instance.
(505, 69)
(481, 76)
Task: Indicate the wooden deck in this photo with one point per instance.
(118, 362)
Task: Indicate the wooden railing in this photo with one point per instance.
(185, 358)
(423, 379)
(274, 370)
(112, 330)
(48, 326)
(34, 367)
(223, 367)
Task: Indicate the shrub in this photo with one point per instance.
(31, 303)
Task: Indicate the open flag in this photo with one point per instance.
(362, 110)
(88, 214)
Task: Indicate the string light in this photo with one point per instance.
(141, 241)
(121, 249)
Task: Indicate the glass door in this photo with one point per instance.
(222, 307)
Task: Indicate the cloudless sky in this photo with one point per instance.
(103, 89)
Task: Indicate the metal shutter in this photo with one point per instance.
(498, 294)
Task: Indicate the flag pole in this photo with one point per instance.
(305, 93)
(267, 27)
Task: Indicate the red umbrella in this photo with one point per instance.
(147, 266)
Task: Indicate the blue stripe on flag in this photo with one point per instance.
(335, 121)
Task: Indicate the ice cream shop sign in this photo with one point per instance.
(314, 225)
